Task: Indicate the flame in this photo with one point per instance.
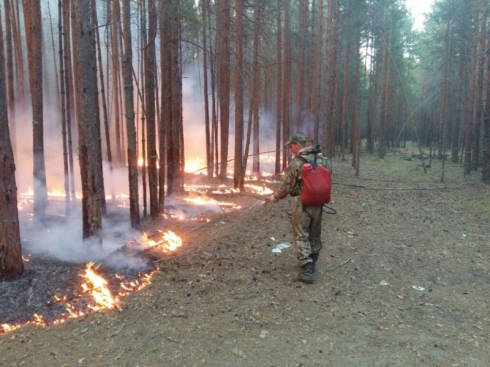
(171, 241)
(195, 165)
(97, 287)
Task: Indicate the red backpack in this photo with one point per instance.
(316, 183)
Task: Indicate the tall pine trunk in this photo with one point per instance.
(130, 123)
(150, 87)
(87, 125)
(255, 92)
(33, 23)
(11, 265)
(238, 179)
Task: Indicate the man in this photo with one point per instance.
(306, 220)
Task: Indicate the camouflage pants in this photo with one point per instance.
(307, 229)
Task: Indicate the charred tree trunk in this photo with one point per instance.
(11, 265)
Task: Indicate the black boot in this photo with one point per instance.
(314, 258)
(306, 273)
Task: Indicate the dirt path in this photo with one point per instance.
(402, 281)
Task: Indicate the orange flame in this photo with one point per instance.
(97, 286)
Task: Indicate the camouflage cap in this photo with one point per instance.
(296, 138)
(308, 138)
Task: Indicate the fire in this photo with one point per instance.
(171, 241)
(97, 287)
(259, 189)
(195, 165)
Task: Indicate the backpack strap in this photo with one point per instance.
(304, 160)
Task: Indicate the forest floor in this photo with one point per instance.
(403, 280)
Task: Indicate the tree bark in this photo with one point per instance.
(470, 103)
(238, 179)
(255, 92)
(63, 97)
(224, 81)
(130, 124)
(277, 169)
(85, 110)
(33, 23)
(10, 76)
(11, 265)
(150, 86)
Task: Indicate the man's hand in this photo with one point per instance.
(271, 199)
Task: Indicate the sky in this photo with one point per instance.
(418, 8)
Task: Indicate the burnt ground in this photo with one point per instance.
(402, 281)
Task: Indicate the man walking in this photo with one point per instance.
(306, 219)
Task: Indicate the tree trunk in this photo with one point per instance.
(85, 109)
(486, 126)
(475, 152)
(224, 81)
(66, 171)
(317, 87)
(103, 97)
(130, 125)
(33, 23)
(150, 86)
(15, 13)
(165, 94)
(470, 103)
(344, 99)
(277, 169)
(98, 136)
(70, 97)
(10, 77)
(300, 72)
(238, 179)
(115, 31)
(354, 136)
(255, 92)
(209, 144)
(286, 77)
(11, 265)
(442, 108)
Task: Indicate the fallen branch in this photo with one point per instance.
(338, 266)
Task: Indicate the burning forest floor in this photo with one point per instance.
(402, 281)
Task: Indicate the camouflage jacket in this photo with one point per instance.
(292, 178)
